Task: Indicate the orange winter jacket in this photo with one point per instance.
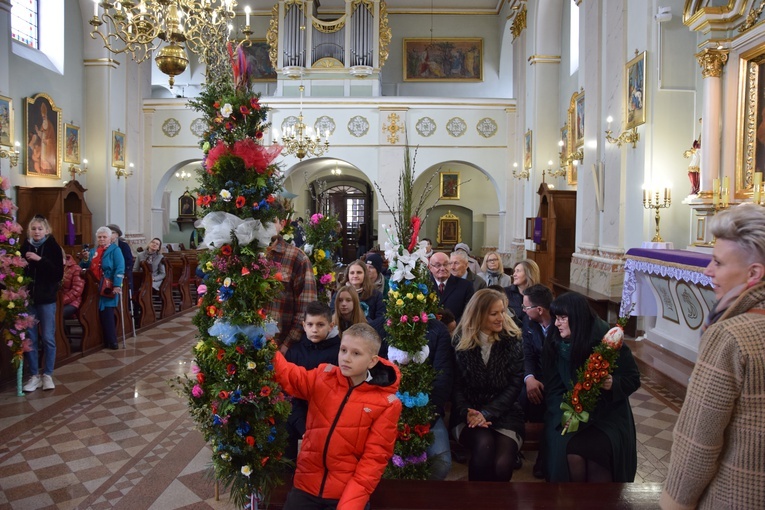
(350, 431)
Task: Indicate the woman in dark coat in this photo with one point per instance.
(488, 378)
(45, 266)
(106, 261)
(604, 449)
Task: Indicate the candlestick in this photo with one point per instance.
(95, 8)
(757, 187)
(656, 204)
(247, 15)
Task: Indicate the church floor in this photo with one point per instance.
(114, 434)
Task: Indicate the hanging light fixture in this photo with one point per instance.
(183, 175)
(336, 170)
(138, 27)
(299, 139)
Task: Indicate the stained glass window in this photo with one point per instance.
(25, 22)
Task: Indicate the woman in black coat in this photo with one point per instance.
(45, 267)
(488, 379)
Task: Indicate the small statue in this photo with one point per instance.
(694, 166)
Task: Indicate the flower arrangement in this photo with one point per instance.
(320, 244)
(410, 305)
(14, 319)
(579, 402)
(231, 393)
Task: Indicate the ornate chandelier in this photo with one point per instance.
(299, 139)
(138, 27)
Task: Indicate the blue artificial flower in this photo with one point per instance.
(272, 435)
(236, 396)
(225, 293)
(243, 429)
(224, 331)
(423, 288)
(393, 286)
(217, 420)
(419, 400)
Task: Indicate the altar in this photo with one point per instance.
(669, 290)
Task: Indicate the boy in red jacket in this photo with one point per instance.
(351, 426)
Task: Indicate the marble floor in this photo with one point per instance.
(114, 433)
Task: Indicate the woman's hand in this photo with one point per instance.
(118, 290)
(608, 382)
(30, 255)
(476, 419)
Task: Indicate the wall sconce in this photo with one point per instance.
(632, 136)
(336, 170)
(576, 157)
(560, 172)
(183, 175)
(651, 200)
(520, 174)
(12, 155)
(121, 172)
(80, 169)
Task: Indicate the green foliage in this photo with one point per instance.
(321, 243)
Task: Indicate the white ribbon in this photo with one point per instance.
(218, 226)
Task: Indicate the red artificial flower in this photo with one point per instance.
(250, 440)
(587, 385)
(211, 311)
(263, 461)
(199, 300)
(270, 199)
(421, 430)
(279, 277)
(223, 395)
(271, 420)
(254, 103)
(245, 271)
(226, 250)
(240, 201)
(244, 110)
(578, 387)
(258, 134)
(229, 126)
(240, 349)
(405, 434)
(214, 406)
(255, 155)
(231, 369)
(265, 391)
(200, 378)
(416, 222)
(199, 200)
(578, 408)
(216, 152)
(221, 354)
(216, 104)
(262, 314)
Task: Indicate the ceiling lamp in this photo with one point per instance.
(140, 27)
(299, 139)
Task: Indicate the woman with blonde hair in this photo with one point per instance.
(347, 309)
(488, 380)
(493, 272)
(525, 274)
(371, 300)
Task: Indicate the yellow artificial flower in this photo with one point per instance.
(420, 297)
(18, 254)
(200, 345)
(11, 305)
(209, 266)
(314, 271)
(333, 277)
(399, 302)
(20, 279)
(319, 255)
(433, 296)
(410, 296)
(393, 294)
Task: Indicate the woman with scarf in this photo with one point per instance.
(153, 257)
(107, 264)
(45, 266)
(493, 272)
(718, 448)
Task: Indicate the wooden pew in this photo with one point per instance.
(63, 345)
(143, 281)
(180, 269)
(92, 337)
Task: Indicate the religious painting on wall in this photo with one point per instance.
(527, 150)
(449, 231)
(71, 144)
(187, 205)
(450, 59)
(565, 150)
(6, 121)
(42, 120)
(450, 185)
(258, 61)
(118, 149)
(750, 154)
(636, 98)
(576, 119)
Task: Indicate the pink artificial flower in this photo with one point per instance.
(5, 183)
(404, 318)
(195, 368)
(197, 391)
(415, 318)
(325, 279)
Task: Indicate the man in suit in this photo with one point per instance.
(454, 293)
(538, 325)
(458, 261)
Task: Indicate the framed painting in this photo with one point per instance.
(258, 61)
(448, 59)
(71, 144)
(527, 150)
(565, 150)
(6, 121)
(450, 185)
(750, 154)
(636, 98)
(449, 232)
(42, 127)
(576, 120)
(118, 149)
(187, 205)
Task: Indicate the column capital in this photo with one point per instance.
(712, 62)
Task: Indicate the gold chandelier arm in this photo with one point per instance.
(128, 32)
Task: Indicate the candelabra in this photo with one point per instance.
(76, 170)
(12, 155)
(630, 136)
(138, 27)
(298, 139)
(575, 157)
(651, 200)
(560, 172)
(121, 172)
(520, 174)
(183, 175)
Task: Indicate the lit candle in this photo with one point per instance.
(17, 145)
(757, 187)
(247, 15)
(669, 193)
(726, 183)
(609, 120)
(95, 8)
(645, 194)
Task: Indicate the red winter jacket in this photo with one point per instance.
(350, 431)
(73, 283)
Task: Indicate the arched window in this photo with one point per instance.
(25, 22)
(41, 21)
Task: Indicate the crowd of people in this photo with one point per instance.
(505, 353)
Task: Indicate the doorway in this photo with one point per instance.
(351, 205)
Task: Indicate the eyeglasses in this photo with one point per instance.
(439, 266)
(524, 308)
(561, 318)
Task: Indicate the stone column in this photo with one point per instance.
(711, 62)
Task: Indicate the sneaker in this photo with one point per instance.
(33, 383)
(47, 382)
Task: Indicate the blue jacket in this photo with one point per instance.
(113, 266)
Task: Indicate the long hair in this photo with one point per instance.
(532, 271)
(367, 287)
(357, 316)
(485, 265)
(475, 313)
(581, 319)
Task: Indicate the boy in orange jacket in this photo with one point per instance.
(351, 426)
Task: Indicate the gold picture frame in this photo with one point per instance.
(527, 148)
(635, 100)
(6, 122)
(449, 185)
(449, 230)
(750, 153)
(446, 59)
(71, 143)
(42, 126)
(576, 119)
(118, 149)
(571, 173)
(187, 205)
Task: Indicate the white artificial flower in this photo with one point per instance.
(225, 195)
(246, 470)
(227, 110)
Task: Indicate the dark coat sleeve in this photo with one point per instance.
(442, 358)
(533, 340)
(376, 313)
(505, 400)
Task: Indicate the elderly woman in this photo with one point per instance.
(106, 263)
(153, 257)
(487, 382)
(718, 448)
(493, 272)
(525, 274)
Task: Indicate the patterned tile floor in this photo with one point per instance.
(114, 434)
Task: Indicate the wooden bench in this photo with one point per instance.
(179, 265)
(448, 495)
(143, 279)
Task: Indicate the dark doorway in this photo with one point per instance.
(350, 205)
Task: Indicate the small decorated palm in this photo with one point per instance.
(320, 244)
